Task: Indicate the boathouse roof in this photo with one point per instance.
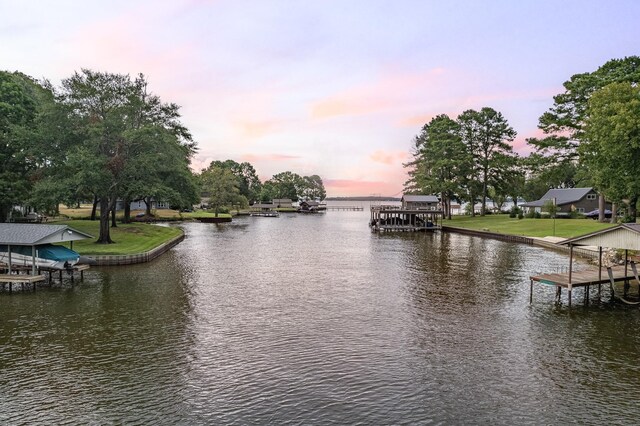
(624, 236)
(30, 234)
(420, 198)
(562, 196)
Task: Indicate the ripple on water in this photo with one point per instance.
(313, 319)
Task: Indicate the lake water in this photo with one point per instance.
(312, 319)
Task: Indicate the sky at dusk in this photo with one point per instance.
(334, 88)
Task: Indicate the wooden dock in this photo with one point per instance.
(584, 278)
(394, 218)
(23, 275)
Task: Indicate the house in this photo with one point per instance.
(420, 202)
(141, 205)
(282, 203)
(580, 200)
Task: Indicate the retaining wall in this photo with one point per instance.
(130, 259)
(584, 252)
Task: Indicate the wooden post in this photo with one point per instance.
(570, 272)
(531, 292)
(599, 271)
(9, 265)
(626, 281)
(33, 258)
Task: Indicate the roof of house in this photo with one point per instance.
(282, 200)
(562, 196)
(624, 236)
(420, 198)
(30, 234)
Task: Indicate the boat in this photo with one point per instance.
(47, 256)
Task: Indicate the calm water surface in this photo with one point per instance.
(315, 320)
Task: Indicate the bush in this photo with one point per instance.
(531, 214)
(537, 215)
(628, 219)
(520, 215)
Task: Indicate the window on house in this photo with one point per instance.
(580, 209)
(591, 196)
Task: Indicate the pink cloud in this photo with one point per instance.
(389, 158)
(257, 129)
(384, 93)
(520, 143)
(268, 157)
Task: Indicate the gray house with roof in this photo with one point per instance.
(581, 200)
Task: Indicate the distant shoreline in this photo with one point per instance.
(362, 199)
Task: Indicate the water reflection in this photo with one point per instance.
(314, 319)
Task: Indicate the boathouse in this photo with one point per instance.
(20, 244)
(417, 213)
(282, 203)
(622, 237)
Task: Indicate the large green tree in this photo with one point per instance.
(221, 185)
(123, 133)
(611, 142)
(440, 161)
(249, 183)
(487, 135)
(564, 123)
(27, 139)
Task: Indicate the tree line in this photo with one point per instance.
(591, 138)
(232, 183)
(106, 138)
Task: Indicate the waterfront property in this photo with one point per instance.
(417, 213)
(28, 248)
(282, 203)
(626, 237)
(263, 210)
(580, 200)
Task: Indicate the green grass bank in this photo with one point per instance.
(130, 238)
(502, 223)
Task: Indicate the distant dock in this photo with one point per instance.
(352, 208)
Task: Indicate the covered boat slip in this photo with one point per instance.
(625, 237)
(17, 241)
(394, 218)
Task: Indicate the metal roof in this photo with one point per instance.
(562, 196)
(28, 234)
(625, 236)
(420, 198)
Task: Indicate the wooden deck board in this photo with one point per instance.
(14, 278)
(583, 278)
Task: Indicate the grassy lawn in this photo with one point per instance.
(84, 212)
(502, 223)
(130, 238)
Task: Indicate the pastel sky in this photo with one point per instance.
(334, 88)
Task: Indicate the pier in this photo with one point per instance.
(625, 236)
